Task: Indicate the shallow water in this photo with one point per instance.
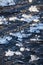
(21, 35)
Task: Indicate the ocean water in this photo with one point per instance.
(21, 33)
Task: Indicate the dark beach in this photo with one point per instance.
(21, 33)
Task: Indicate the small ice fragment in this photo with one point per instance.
(18, 53)
(33, 39)
(8, 38)
(11, 2)
(20, 44)
(27, 49)
(36, 20)
(30, 1)
(13, 18)
(1, 22)
(27, 16)
(3, 41)
(9, 53)
(22, 49)
(40, 26)
(18, 34)
(33, 9)
(34, 57)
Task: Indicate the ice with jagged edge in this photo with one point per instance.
(5, 39)
(7, 2)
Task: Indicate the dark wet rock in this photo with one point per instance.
(39, 50)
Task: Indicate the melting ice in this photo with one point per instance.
(5, 39)
(7, 2)
(29, 18)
